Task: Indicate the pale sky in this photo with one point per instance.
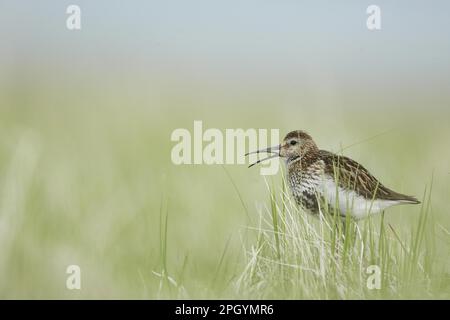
(252, 40)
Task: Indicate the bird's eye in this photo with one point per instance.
(293, 142)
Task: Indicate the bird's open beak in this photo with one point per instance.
(275, 150)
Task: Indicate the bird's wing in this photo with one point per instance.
(352, 175)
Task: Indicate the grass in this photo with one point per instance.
(302, 257)
(86, 179)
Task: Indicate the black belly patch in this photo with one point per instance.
(307, 201)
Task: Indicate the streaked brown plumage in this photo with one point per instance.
(318, 177)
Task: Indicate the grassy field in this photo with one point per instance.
(86, 179)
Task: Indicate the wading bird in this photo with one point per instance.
(319, 178)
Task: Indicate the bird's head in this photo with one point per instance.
(296, 144)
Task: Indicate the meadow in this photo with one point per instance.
(86, 178)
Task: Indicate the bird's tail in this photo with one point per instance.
(403, 198)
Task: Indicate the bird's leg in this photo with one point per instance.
(338, 239)
(344, 226)
(340, 228)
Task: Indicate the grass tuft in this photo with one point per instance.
(298, 256)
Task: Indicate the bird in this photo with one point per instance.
(322, 181)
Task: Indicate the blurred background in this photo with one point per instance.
(86, 118)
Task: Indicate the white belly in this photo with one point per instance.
(349, 202)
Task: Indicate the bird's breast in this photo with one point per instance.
(304, 186)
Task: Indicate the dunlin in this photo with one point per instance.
(320, 178)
